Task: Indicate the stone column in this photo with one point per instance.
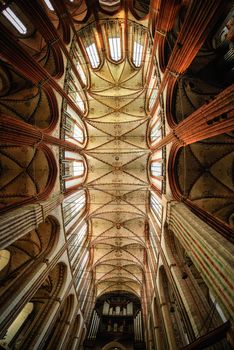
(17, 223)
(140, 327)
(212, 119)
(211, 253)
(20, 133)
(199, 21)
(168, 326)
(135, 329)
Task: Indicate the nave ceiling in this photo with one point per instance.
(117, 179)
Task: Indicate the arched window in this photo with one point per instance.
(49, 5)
(91, 44)
(138, 35)
(79, 62)
(156, 128)
(153, 244)
(93, 55)
(76, 242)
(14, 20)
(73, 169)
(73, 207)
(81, 72)
(74, 128)
(115, 48)
(75, 94)
(153, 95)
(156, 206)
(80, 268)
(137, 53)
(113, 33)
(156, 169)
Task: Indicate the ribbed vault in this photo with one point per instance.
(117, 182)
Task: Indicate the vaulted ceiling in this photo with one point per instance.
(117, 180)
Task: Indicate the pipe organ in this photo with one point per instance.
(116, 316)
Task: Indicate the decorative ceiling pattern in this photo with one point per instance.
(205, 175)
(117, 181)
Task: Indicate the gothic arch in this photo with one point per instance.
(25, 256)
(58, 332)
(44, 304)
(51, 289)
(74, 333)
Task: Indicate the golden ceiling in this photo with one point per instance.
(117, 181)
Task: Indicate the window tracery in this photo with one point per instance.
(156, 206)
(138, 43)
(156, 128)
(115, 48)
(74, 130)
(113, 32)
(156, 170)
(79, 269)
(73, 207)
(81, 72)
(93, 55)
(90, 41)
(137, 53)
(76, 242)
(73, 170)
(79, 61)
(75, 94)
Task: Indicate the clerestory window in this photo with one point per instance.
(156, 132)
(93, 55)
(156, 168)
(153, 97)
(75, 94)
(49, 5)
(77, 241)
(115, 48)
(72, 207)
(74, 132)
(81, 72)
(156, 207)
(73, 169)
(137, 54)
(14, 20)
